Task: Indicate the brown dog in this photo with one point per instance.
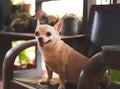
(58, 56)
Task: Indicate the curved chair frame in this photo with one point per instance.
(9, 61)
(99, 63)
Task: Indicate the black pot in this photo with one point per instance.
(70, 27)
(32, 25)
(19, 27)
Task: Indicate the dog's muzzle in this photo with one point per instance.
(41, 42)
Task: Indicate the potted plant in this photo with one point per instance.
(19, 22)
(71, 24)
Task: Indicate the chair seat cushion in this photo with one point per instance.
(35, 83)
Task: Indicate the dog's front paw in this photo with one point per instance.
(45, 82)
(61, 87)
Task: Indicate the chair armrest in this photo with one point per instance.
(10, 58)
(91, 75)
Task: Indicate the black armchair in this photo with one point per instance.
(103, 29)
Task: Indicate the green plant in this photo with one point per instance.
(23, 58)
(17, 14)
(72, 16)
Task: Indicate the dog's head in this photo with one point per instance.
(46, 34)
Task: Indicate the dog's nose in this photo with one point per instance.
(40, 39)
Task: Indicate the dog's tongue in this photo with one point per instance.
(42, 44)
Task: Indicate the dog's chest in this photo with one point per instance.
(52, 60)
(52, 64)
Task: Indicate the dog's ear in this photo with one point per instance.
(58, 25)
(38, 23)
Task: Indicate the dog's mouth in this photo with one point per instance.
(42, 43)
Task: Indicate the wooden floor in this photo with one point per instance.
(0, 84)
(0, 81)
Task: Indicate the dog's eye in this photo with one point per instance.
(48, 34)
(37, 33)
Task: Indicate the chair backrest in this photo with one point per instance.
(104, 26)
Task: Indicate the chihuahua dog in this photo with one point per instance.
(58, 56)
